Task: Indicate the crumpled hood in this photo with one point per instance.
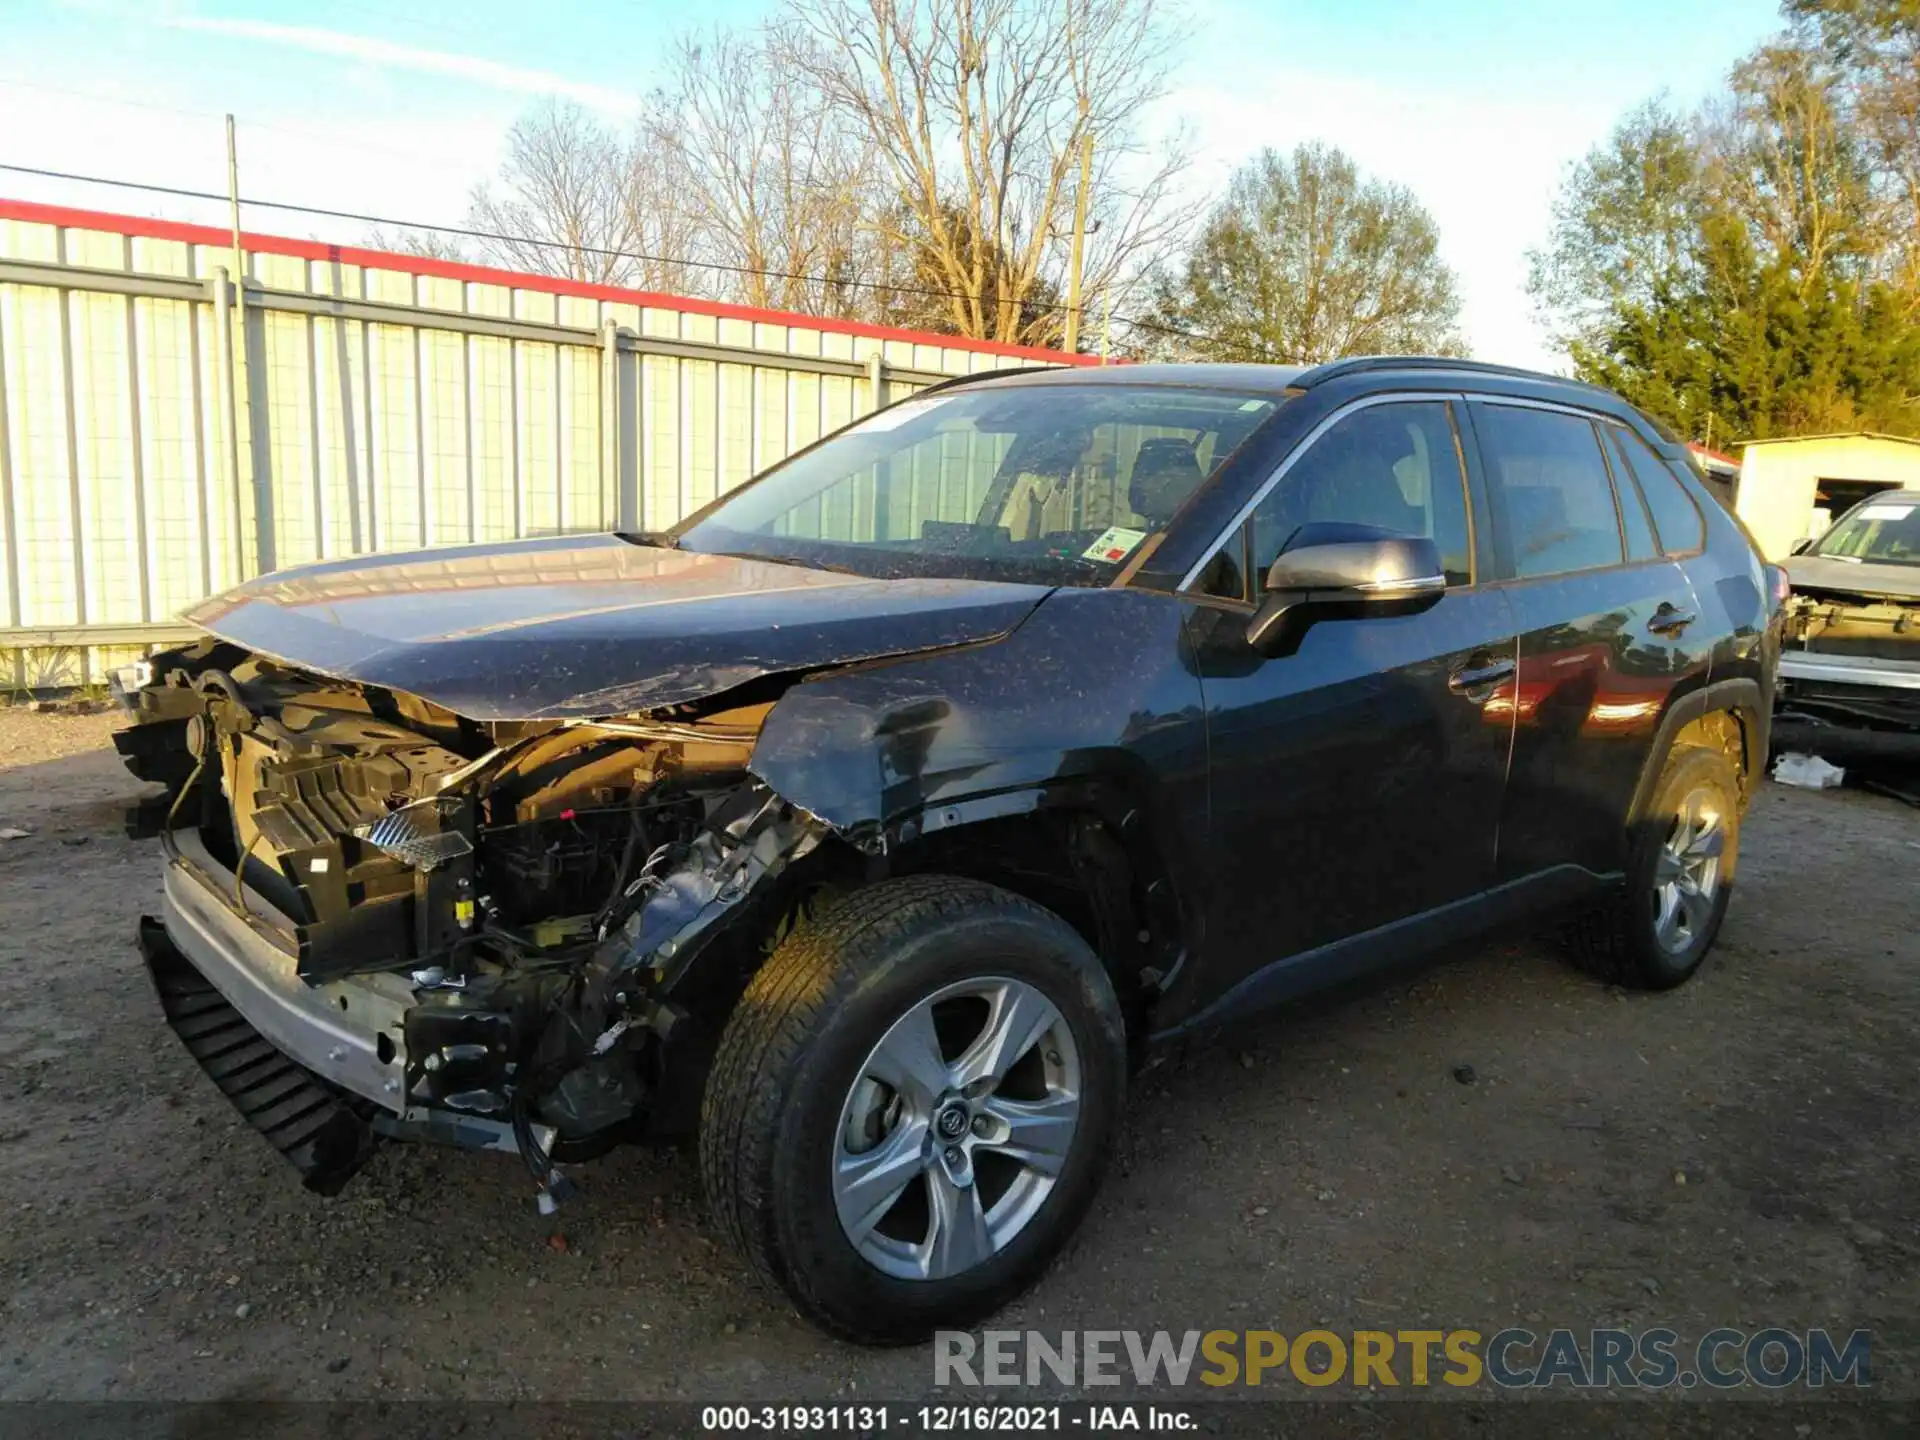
(576, 627)
(1827, 572)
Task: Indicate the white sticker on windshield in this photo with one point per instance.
(895, 416)
(1115, 545)
(1887, 512)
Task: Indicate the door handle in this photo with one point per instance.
(1477, 677)
(1670, 619)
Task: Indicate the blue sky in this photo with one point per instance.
(397, 109)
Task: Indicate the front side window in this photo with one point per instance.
(1551, 495)
(1394, 466)
(1881, 532)
(1056, 483)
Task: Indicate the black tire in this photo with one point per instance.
(794, 1048)
(1619, 941)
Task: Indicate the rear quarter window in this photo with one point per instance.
(1676, 519)
(1635, 523)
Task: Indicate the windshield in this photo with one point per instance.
(1056, 484)
(1882, 532)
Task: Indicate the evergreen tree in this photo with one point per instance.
(1735, 272)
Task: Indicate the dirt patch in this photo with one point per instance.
(1742, 1152)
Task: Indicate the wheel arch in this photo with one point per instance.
(1081, 848)
(1084, 849)
(1727, 715)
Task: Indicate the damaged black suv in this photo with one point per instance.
(869, 823)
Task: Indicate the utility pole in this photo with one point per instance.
(233, 207)
(1079, 236)
(241, 376)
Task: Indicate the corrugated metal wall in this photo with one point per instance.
(381, 403)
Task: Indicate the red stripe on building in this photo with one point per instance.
(137, 226)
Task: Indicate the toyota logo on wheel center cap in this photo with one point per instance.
(952, 1123)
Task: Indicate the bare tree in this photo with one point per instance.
(977, 111)
(1874, 45)
(576, 199)
(412, 240)
(1783, 158)
(779, 184)
(1305, 259)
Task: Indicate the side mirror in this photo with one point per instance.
(1331, 572)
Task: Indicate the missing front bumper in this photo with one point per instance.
(318, 1070)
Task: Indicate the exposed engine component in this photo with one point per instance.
(569, 867)
(540, 887)
(1850, 675)
(1837, 623)
(416, 835)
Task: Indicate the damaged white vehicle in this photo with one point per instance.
(1850, 666)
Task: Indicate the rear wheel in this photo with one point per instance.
(1655, 932)
(910, 1108)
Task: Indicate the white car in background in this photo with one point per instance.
(1850, 668)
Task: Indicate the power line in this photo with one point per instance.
(500, 238)
(13, 84)
(9, 82)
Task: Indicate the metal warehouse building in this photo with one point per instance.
(165, 434)
(1783, 483)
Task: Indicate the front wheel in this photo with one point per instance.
(910, 1107)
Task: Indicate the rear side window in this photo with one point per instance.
(1675, 517)
(1551, 494)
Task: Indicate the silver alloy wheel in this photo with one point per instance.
(906, 1182)
(1687, 874)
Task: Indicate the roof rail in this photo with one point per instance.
(1359, 364)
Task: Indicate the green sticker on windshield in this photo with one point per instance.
(1115, 545)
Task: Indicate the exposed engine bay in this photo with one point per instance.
(1850, 672)
(539, 888)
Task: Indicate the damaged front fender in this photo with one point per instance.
(881, 756)
(1093, 687)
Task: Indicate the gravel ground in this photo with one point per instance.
(1741, 1152)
